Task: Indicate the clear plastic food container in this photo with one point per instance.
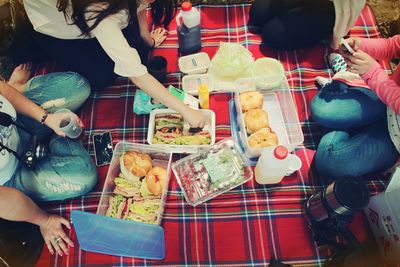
(211, 172)
(191, 83)
(282, 116)
(160, 158)
(181, 148)
(195, 63)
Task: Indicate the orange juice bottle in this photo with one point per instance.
(204, 96)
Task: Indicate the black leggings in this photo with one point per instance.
(293, 24)
(84, 56)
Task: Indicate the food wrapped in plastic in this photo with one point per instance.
(231, 60)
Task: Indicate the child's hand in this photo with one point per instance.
(354, 43)
(159, 35)
(360, 62)
(195, 118)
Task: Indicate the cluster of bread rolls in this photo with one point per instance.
(256, 120)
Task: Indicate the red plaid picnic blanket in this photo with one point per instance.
(250, 224)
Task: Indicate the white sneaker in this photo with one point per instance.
(322, 81)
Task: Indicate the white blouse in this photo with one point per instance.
(46, 19)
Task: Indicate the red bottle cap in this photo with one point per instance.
(186, 6)
(280, 152)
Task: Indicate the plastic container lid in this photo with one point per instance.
(191, 83)
(280, 152)
(186, 6)
(112, 236)
(195, 63)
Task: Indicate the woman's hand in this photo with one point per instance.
(53, 121)
(360, 62)
(158, 35)
(195, 118)
(54, 236)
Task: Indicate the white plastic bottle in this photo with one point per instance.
(189, 34)
(272, 165)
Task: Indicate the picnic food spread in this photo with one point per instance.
(169, 129)
(139, 197)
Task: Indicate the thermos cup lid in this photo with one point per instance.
(351, 192)
(186, 6)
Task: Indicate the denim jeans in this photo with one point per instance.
(68, 171)
(360, 142)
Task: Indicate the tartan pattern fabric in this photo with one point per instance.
(250, 224)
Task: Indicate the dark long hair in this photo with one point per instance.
(162, 11)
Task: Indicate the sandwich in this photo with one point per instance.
(168, 127)
(146, 210)
(199, 138)
(126, 188)
(116, 205)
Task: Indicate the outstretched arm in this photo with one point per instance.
(15, 206)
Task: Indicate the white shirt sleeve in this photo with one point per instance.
(127, 60)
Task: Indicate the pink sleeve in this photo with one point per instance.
(386, 89)
(381, 48)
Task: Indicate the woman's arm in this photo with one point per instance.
(21, 103)
(15, 206)
(25, 106)
(154, 38)
(127, 64)
(144, 27)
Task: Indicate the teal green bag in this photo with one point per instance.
(142, 103)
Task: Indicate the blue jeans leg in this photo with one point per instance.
(54, 91)
(67, 172)
(340, 154)
(339, 106)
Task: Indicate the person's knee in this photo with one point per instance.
(87, 174)
(77, 85)
(276, 35)
(258, 13)
(99, 81)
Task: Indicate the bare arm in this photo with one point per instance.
(144, 27)
(20, 102)
(25, 106)
(15, 206)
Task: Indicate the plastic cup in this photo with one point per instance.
(70, 123)
(157, 66)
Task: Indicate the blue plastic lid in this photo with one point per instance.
(98, 233)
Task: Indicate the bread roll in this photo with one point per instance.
(135, 165)
(155, 180)
(263, 138)
(251, 100)
(255, 119)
